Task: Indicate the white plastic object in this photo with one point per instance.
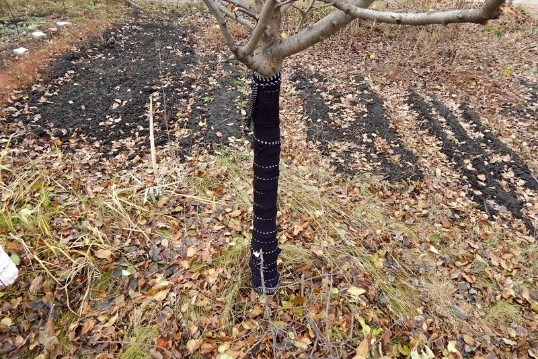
(20, 50)
(38, 34)
(63, 23)
(8, 270)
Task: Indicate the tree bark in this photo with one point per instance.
(264, 114)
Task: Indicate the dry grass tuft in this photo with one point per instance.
(345, 220)
(503, 312)
(139, 341)
(36, 207)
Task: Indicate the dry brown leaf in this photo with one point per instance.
(362, 349)
(193, 345)
(103, 254)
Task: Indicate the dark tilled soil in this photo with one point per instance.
(473, 157)
(491, 186)
(399, 163)
(99, 94)
(357, 136)
(215, 117)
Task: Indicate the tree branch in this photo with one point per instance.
(487, 11)
(253, 63)
(321, 30)
(241, 20)
(245, 9)
(305, 14)
(213, 6)
(265, 15)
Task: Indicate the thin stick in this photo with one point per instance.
(152, 139)
(161, 78)
(133, 4)
(12, 16)
(319, 335)
(305, 14)
(327, 307)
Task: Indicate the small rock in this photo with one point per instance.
(63, 23)
(469, 348)
(459, 312)
(463, 286)
(419, 318)
(154, 253)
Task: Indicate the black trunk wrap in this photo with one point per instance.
(264, 114)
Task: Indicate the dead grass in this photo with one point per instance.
(35, 206)
(139, 341)
(503, 313)
(340, 226)
(351, 240)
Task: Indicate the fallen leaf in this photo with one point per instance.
(451, 347)
(36, 284)
(103, 254)
(223, 347)
(162, 342)
(191, 252)
(300, 344)
(255, 312)
(355, 291)
(362, 349)
(193, 345)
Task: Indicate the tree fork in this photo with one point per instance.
(264, 114)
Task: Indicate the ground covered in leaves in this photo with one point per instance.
(408, 210)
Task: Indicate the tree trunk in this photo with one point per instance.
(264, 114)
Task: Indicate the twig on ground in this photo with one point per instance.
(152, 139)
(317, 332)
(258, 342)
(352, 322)
(133, 4)
(327, 308)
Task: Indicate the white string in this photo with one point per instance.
(265, 219)
(271, 143)
(266, 179)
(266, 167)
(271, 232)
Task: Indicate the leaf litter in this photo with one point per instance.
(118, 256)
